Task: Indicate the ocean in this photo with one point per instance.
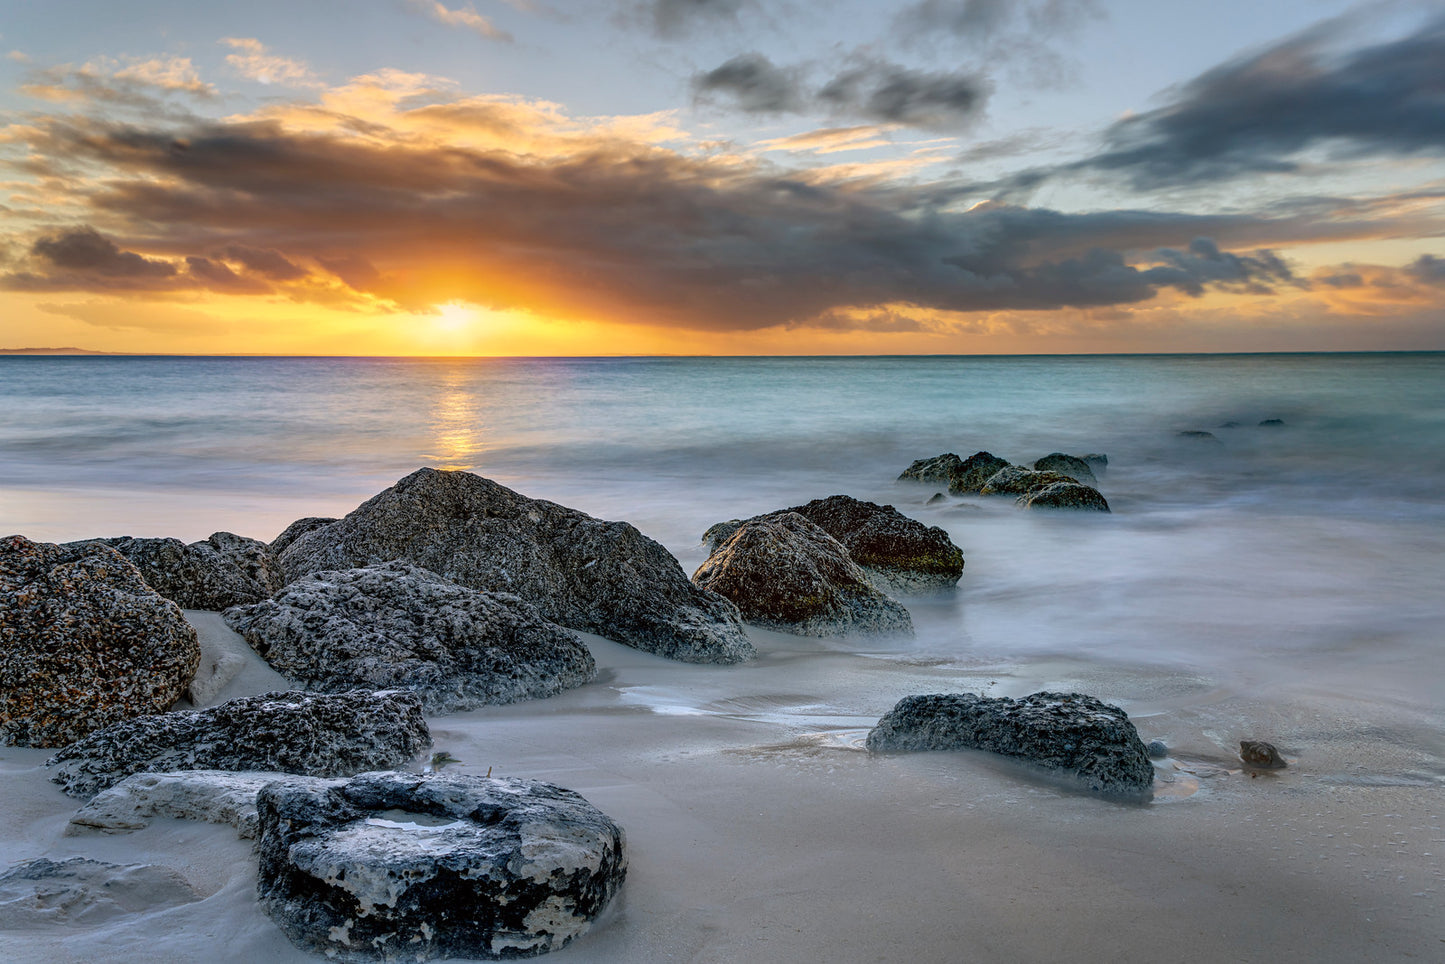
(1283, 564)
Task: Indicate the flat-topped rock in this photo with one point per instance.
(1075, 468)
(396, 626)
(312, 734)
(223, 570)
(1065, 733)
(397, 866)
(580, 572)
(786, 573)
(1065, 495)
(900, 554)
(84, 643)
(212, 796)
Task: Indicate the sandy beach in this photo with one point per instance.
(760, 830)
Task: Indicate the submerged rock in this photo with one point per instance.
(84, 643)
(296, 530)
(1098, 462)
(224, 570)
(1075, 468)
(900, 554)
(1017, 480)
(977, 469)
(1198, 435)
(395, 626)
(1272, 423)
(1261, 755)
(397, 866)
(1157, 749)
(213, 796)
(306, 733)
(583, 573)
(786, 573)
(79, 892)
(1065, 495)
(1065, 733)
(937, 498)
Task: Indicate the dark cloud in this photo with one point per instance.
(1258, 114)
(1428, 269)
(755, 84)
(673, 18)
(1020, 37)
(615, 231)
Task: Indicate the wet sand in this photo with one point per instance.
(759, 830)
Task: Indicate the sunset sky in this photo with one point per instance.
(542, 177)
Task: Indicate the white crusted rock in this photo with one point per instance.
(214, 796)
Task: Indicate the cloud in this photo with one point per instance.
(1204, 264)
(270, 264)
(465, 17)
(1259, 114)
(253, 61)
(134, 82)
(673, 18)
(81, 258)
(1019, 37)
(755, 84)
(1428, 269)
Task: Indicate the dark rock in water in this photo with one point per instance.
(786, 573)
(1098, 462)
(1230, 424)
(1017, 480)
(306, 733)
(1074, 468)
(296, 530)
(1067, 733)
(583, 573)
(79, 892)
(1261, 755)
(940, 468)
(1157, 750)
(977, 469)
(397, 866)
(1065, 495)
(899, 554)
(936, 498)
(1198, 435)
(395, 626)
(1272, 423)
(224, 570)
(84, 643)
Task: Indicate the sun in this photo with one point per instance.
(454, 316)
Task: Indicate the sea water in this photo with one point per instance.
(1302, 561)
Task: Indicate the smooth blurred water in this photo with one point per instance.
(1305, 555)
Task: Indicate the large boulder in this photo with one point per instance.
(1017, 480)
(1065, 733)
(80, 892)
(786, 573)
(212, 796)
(395, 626)
(1065, 495)
(900, 554)
(296, 530)
(1075, 468)
(307, 733)
(398, 866)
(975, 472)
(940, 469)
(583, 573)
(84, 643)
(223, 570)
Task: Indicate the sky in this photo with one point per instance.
(541, 177)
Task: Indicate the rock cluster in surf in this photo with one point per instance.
(1056, 481)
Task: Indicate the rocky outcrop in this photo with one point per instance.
(296, 530)
(1075, 468)
(213, 796)
(900, 554)
(306, 733)
(80, 892)
(396, 866)
(977, 469)
(1065, 495)
(1017, 480)
(786, 573)
(224, 570)
(580, 572)
(940, 469)
(1064, 733)
(395, 626)
(84, 643)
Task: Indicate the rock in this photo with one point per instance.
(84, 643)
(940, 468)
(1229, 424)
(977, 469)
(1097, 462)
(1272, 423)
(583, 573)
(1261, 755)
(899, 554)
(398, 866)
(214, 796)
(1065, 495)
(786, 573)
(1198, 435)
(1017, 480)
(295, 531)
(1065, 733)
(224, 570)
(1076, 469)
(306, 733)
(395, 626)
(936, 498)
(1157, 750)
(78, 891)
